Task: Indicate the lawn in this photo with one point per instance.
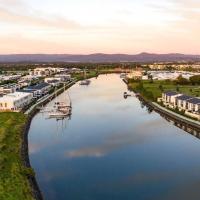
(14, 184)
(153, 90)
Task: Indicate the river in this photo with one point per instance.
(113, 149)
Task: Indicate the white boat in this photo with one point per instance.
(57, 114)
(66, 110)
(61, 108)
(123, 75)
(85, 81)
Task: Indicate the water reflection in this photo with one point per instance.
(113, 148)
(186, 127)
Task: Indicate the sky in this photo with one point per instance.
(99, 26)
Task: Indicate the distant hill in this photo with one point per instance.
(142, 57)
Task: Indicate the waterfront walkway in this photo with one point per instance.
(46, 98)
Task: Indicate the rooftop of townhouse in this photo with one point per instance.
(14, 96)
(184, 97)
(194, 101)
(171, 93)
(38, 87)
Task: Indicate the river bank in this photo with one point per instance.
(184, 120)
(15, 171)
(29, 188)
(112, 148)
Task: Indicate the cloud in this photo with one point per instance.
(30, 20)
(117, 141)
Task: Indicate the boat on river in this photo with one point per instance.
(61, 108)
(126, 95)
(85, 81)
(123, 75)
(58, 114)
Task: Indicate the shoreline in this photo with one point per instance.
(177, 118)
(36, 192)
(164, 112)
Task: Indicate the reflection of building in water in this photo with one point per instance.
(186, 127)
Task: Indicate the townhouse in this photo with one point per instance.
(169, 98)
(182, 102)
(194, 105)
(190, 105)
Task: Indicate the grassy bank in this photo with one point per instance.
(152, 90)
(14, 182)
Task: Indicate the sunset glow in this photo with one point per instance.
(107, 26)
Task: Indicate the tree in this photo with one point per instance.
(161, 87)
(195, 79)
(182, 81)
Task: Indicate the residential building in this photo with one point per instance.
(136, 75)
(194, 105)
(15, 101)
(64, 77)
(54, 82)
(9, 88)
(182, 102)
(39, 90)
(169, 98)
(190, 105)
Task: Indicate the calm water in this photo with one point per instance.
(113, 149)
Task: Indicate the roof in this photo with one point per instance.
(170, 93)
(53, 81)
(24, 91)
(184, 97)
(14, 96)
(38, 87)
(194, 101)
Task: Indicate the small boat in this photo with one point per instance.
(58, 114)
(66, 110)
(85, 82)
(123, 75)
(126, 95)
(61, 109)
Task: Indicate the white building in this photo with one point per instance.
(55, 82)
(39, 90)
(15, 101)
(169, 98)
(194, 105)
(9, 88)
(182, 102)
(190, 105)
(64, 77)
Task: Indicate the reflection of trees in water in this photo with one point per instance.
(148, 108)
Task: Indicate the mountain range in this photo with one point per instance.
(99, 57)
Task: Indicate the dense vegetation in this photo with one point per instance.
(151, 90)
(14, 183)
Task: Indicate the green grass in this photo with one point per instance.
(152, 91)
(14, 184)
